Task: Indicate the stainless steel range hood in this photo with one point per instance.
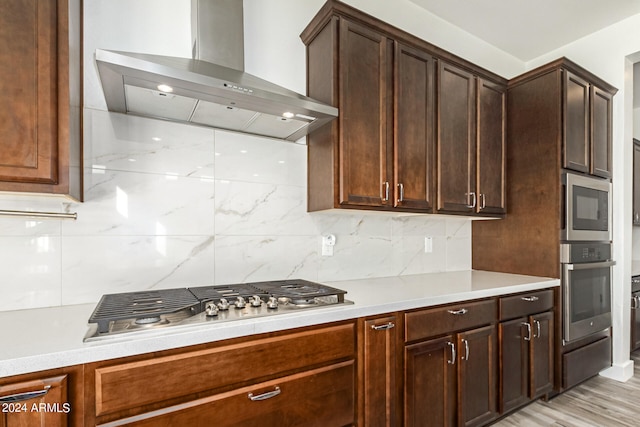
(212, 91)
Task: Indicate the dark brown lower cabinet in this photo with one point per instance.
(321, 397)
(451, 381)
(379, 396)
(526, 356)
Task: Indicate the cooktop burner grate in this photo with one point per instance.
(215, 292)
(296, 289)
(144, 304)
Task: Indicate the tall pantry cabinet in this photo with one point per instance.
(559, 120)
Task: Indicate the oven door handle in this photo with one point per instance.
(590, 265)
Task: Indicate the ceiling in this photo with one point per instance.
(527, 29)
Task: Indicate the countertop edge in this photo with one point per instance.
(82, 353)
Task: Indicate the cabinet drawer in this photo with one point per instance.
(443, 320)
(585, 362)
(134, 384)
(526, 304)
(320, 397)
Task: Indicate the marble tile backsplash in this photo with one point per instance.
(170, 205)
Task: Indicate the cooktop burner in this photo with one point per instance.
(138, 311)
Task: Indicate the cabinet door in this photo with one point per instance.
(364, 73)
(378, 367)
(601, 132)
(514, 359)
(456, 140)
(430, 383)
(541, 355)
(414, 128)
(477, 375)
(576, 123)
(636, 182)
(491, 155)
(28, 83)
(35, 403)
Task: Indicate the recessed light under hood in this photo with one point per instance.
(207, 93)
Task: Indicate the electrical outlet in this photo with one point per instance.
(328, 242)
(428, 245)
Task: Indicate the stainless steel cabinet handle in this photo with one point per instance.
(473, 197)
(458, 312)
(635, 302)
(264, 396)
(452, 361)
(384, 327)
(466, 349)
(385, 185)
(537, 322)
(20, 397)
(401, 192)
(483, 201)
(528, 337)
(530, 299)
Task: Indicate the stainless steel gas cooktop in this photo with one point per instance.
(128, 313)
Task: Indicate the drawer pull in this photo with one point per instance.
(530, 299)
(458, 312)
(264, 396)
(20, 397)
(452, 361)
(384, 327)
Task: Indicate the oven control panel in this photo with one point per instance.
(585, 252)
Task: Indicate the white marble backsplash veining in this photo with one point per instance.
(170, 205)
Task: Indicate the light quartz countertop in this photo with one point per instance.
(47, 338)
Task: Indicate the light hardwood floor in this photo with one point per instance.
(596, 402)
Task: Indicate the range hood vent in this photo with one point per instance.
(208, 92)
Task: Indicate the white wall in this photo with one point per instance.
(171, 205)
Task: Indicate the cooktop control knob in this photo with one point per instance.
(211, 309)
(240, 303)
(272, 303)
(255, 301)
(223, 304)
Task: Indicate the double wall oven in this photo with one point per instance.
(585, 256)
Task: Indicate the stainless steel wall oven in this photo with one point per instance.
(586, 281)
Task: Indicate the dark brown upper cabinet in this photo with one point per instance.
(40, 83)
(471, 143)
(364, 73)
(587, 125)
(456, 140)
(414, 128)
(381, 151)
(491, 168)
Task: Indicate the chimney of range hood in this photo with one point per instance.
(210, 89)
(217, 32)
